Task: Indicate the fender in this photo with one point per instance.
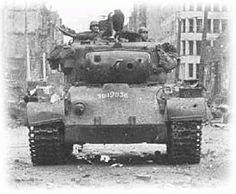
(184, 109)
(45, 112)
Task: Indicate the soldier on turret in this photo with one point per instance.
(94, 27)
(143, 33)
(104, 29)
(93, 34)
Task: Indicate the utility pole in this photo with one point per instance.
(178, 49)
(44, 67)
(203, 48)
(28, 76)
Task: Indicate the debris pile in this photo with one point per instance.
(221, 112)
(118, 160)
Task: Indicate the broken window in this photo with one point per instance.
(216, 7)
(190, 69)
(208, 7)
(208, 43)
(209, 25)
(190, 42)
(224, 8)
(216, 26)
(198, 45)
(197, 70)
(183, 46)
(224, 24)
(183, 25)
(199, 25)
(214, 43)
(191, 7)
(190, 25)
(199, 7)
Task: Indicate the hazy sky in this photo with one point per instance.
(78, 14)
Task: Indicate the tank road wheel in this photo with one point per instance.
(184, 142)
(47, 144)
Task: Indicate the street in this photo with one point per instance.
(106, 65)
(133, 165)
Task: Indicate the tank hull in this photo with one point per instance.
(115, 113)
(114, 104)
(116, 134)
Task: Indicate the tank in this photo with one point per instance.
(115, 94)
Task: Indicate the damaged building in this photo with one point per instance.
(163, 24)
(217, 70)
(29, 34)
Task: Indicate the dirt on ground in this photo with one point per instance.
(131, 164)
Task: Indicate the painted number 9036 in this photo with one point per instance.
(113, 95)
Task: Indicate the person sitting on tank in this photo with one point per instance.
(143, 35)
(94, 29)
(102, 30)
(93, 34)
(97, 31)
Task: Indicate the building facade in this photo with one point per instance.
(29, 33)
(218, 78)
(163, 23)
(191, 35)
(150, 16)
(191, 18)
(138, 17)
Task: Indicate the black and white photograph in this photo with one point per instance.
(116, 94)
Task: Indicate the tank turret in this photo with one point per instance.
(131, 63)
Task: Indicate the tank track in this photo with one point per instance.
(47, 144)
(184, 142)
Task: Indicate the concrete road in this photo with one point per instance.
(134, 165)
